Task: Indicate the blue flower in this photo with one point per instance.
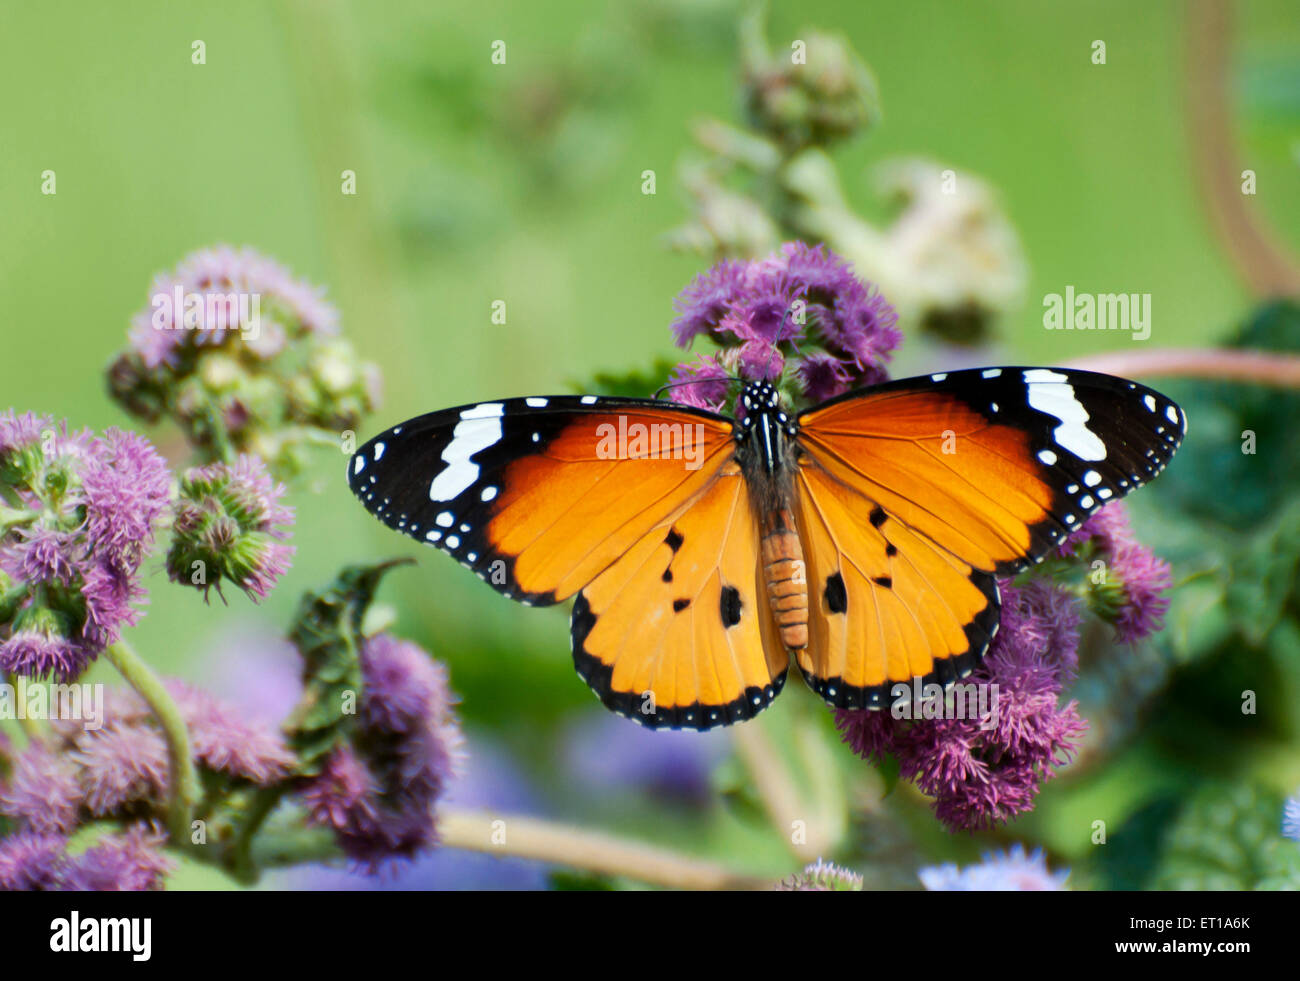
(1013, 872)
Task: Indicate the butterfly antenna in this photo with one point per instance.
(689, 381)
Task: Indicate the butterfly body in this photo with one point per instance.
(863, 537)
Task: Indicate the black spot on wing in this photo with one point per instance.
(885, 582)
(877, 516)
(680, 604)
(729, 606)
(836, 596)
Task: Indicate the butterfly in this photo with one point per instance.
(863, 537)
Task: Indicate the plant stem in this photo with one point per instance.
(1261, 258)
(1261, 367)
(592, 851)
(779, 791)
(182, 777)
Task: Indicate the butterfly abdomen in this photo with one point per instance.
(787, 584)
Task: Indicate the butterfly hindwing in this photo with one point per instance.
(886, 604)
(539, 495)
(995, 465)
(677, 632)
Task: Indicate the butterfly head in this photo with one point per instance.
(763, 412)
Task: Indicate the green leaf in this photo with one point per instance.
(1228, 837)
(327, 632)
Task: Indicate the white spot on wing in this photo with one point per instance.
(1050, 392)
(479, 428)
(358, 463)
(1092, 478)
(535, 403)
(444, 520)
(379, 451)
(588, 400)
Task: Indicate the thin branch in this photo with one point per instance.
(1255, 249)
(1223, 364)
(591, 851)
(779, 792)
(182, 777)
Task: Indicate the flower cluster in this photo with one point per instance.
(378, 790)
(120, 771)
(827, 95)
(245, 358)
(77, 518)
(801, 304)
(132, 860)
(1129, 586)
(984, 771)
(229, 524)
(1013, 871)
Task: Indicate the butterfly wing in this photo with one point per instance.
(915, 494)
(677, 632)
(540, 495)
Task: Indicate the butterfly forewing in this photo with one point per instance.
(996, 465)
(539, 495)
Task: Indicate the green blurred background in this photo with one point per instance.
(522, 183)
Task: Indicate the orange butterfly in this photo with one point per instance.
(862, 537)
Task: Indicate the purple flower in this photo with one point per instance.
(1011, 872)
(21, 431)
(822, 376)
(126, 485)
(702, 305)
(701, 384)
(43, 792)
(31, 860)
(1131, 595)
(130, 861)
(1291, 818)
(38, 646)
(230, 525)
(801, 302)
(379, 793)
(206, 280)
(982, 771)
(222, 740)
(120, 765)
(82, 521)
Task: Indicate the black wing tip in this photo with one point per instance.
(630, 705)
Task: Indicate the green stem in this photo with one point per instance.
(183, 788)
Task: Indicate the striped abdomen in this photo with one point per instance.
(787, 584)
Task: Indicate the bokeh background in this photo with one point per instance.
(523, 182)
